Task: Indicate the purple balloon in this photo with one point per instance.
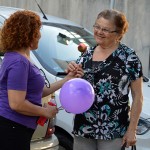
(77, 96)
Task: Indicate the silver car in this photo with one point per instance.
(43, 137)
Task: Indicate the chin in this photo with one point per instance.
(99, 42)
(34, 47)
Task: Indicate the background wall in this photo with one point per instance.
(84, 12)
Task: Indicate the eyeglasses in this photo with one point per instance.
(105, 31)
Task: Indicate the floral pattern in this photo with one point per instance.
(108, 116)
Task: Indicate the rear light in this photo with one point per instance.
(50, 128)
(49, 132)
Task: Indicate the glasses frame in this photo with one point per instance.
(47, 83)
(105, 31)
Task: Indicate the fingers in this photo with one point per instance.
(51, 111)
(123, 142)
(67, 70)
(72, 66)
(80, 65)
(127, 141)
(74, 70)
(79, 73)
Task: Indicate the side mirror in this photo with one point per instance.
(145, 79)
(63, 39)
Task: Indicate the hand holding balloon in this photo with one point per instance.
(76, 96)
(42, 120)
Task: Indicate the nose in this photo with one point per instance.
(100, 31)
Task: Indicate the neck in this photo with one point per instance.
(24, 52)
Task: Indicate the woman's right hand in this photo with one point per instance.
(74, 70)
(50, 111)
(72, 67)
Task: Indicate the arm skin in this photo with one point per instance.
(57, 85)
(19, 104)
(54, 87)
(136, 108)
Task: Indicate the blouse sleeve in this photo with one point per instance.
(134, 66)
(18, 76)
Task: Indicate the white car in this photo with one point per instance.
(143, 130)
(57, 47)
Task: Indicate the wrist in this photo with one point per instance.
(132, 129)
(67, 78)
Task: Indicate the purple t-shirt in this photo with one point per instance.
(18, 73)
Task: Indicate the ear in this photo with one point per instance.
(118, 38)
(31, 46)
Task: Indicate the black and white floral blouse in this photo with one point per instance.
(108, 117)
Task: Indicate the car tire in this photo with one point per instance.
(64, 141)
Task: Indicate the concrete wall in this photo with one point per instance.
(84, 12)
(138, 36)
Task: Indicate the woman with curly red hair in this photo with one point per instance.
(21, 84)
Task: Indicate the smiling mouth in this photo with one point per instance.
(100, 37)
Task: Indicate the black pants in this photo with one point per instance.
(14, 136)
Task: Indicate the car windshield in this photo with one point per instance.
(59, 45)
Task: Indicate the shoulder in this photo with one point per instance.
(13, 58)
(132, 62)
(126, 53)
(127, 50)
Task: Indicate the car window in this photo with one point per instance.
(1, 23)
(59, 45)
(2, 19)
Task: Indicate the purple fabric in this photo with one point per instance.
(17, 73)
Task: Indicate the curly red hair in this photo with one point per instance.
(20, 30)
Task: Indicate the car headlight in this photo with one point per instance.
(143, 126)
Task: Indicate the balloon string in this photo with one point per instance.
(60, 108)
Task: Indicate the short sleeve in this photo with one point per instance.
(134, 66)
(18, 76)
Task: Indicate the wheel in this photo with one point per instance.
(65, 141)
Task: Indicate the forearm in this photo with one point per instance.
(135, 112)
(77, 73)
(27, 108)
(54, 87)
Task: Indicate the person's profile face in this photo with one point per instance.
(36, 41)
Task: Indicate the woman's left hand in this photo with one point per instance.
(129, 138)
